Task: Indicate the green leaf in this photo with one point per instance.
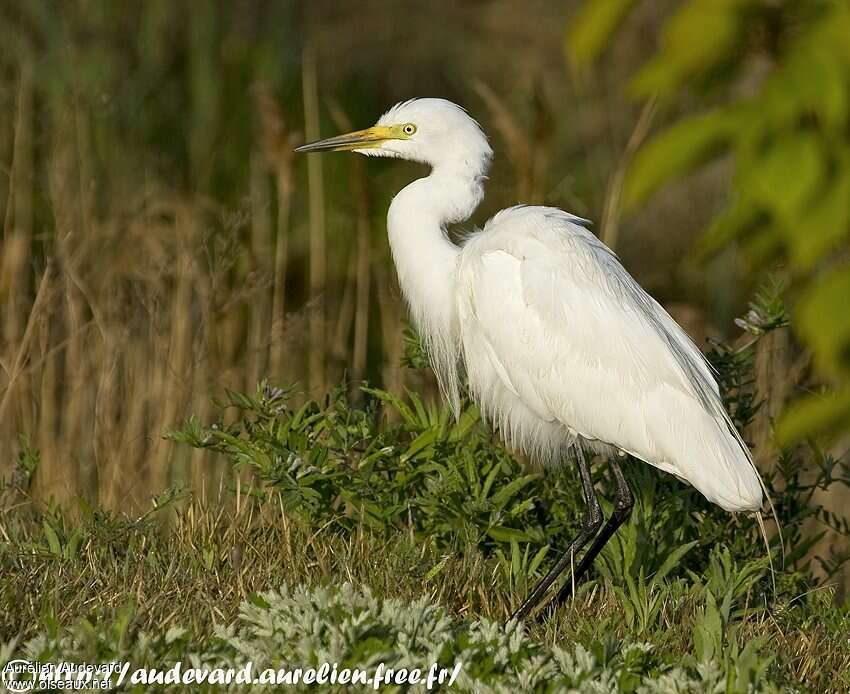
(626, 603)
(467, 420)
(592, 26)
(488, 482)
(537, 560)
(420, 443)
(708, 632)
(394, 401)
(676, 151)
(701, 34)
(813, 415)
(739, 218)
(258, 600)
(823, 320)
(672, 560)
(73, 544)
(240, 400)
(501, 497)
(825, 224)
(423, 418)
(52, 539)
(785, 177)
(516, 558)
(435, 570)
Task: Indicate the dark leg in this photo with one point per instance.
(591, 525)
(623, 503)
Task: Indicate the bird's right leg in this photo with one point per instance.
(591, 525)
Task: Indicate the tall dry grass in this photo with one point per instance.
(124, 315)
(118, 321)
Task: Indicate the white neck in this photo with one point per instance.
(426, 260)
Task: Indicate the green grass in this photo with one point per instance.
(125, 584)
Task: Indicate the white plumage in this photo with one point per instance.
(555, 339)
(559, 341)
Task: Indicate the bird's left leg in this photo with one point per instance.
(623, 503)
(591, 525)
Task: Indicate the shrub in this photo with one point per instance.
(350, 628)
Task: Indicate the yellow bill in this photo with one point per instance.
(359, 139)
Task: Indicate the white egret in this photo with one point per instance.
(560, 347)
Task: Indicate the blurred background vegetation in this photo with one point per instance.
(160, 243)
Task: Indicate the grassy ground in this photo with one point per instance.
(140, 578)
(422, 513)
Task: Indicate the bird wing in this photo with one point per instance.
(548, 308)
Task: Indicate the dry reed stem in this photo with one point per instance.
(339, 347)
(516, 140)
(390, 309)
(284, 187)
(41, 297)
(363, 272)
(19, 205)
(360, 270)
(262, 254)
(317, 259)
(277, 145)
(612, 208)
(17, 235)
(529, 149)
(170, 384)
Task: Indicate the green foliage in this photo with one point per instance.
(592, 26)
(447, 480)
(422, 502)
(788, 132)
(414, 353)
(451, 484)
(767, 309)
(700, 37)
(28, 460)
(653, 627)
(351, 628)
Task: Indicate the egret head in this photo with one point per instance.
(431, 131)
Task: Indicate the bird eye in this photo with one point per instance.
(408, 128)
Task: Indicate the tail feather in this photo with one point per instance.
(698, 447)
